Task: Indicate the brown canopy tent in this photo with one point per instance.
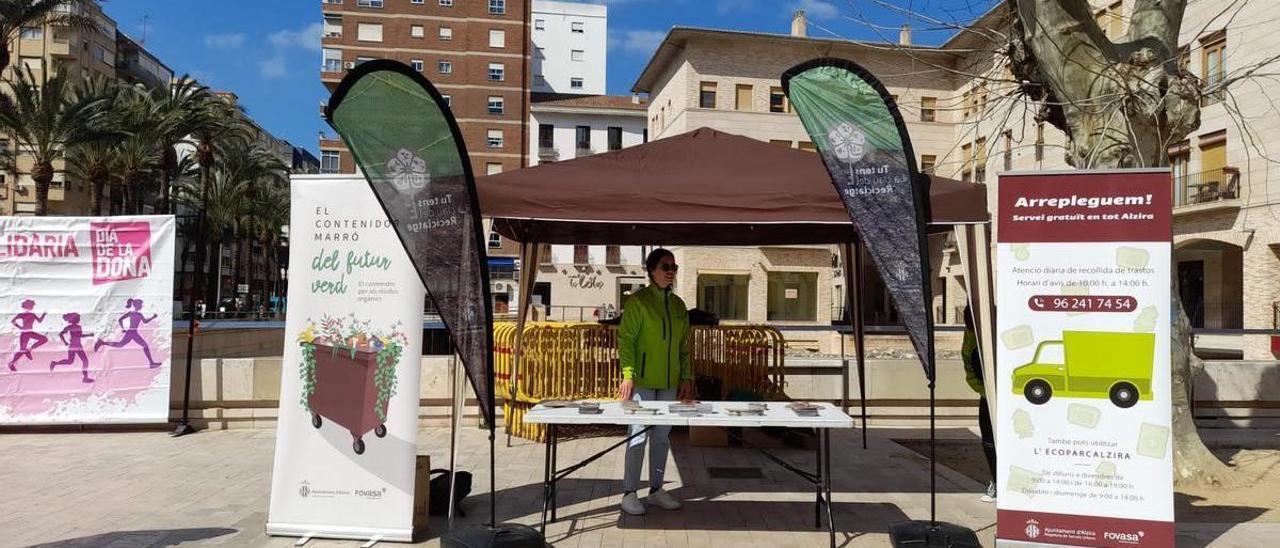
(705, 188)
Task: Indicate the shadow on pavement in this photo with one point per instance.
(150, 539)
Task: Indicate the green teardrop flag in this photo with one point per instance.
(859, 132)
(407, 143)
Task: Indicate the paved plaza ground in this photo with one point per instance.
(144, 489)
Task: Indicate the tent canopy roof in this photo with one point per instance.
(704, 187)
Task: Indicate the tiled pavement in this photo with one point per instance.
(211, 488)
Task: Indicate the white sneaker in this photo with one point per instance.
(990, 495)
(662, 499)
(631, 504)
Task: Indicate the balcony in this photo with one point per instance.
(548, 154)
(1207, 190)
(581, 151)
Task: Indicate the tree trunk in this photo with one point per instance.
(43, 176)
(168, 159)
(5, 57)
(95, 195)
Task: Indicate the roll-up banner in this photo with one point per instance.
(87, 304)
(863, 141)
(409, 147)
(1083, 359)
(346, 440)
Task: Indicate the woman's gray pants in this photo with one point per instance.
(658, 449)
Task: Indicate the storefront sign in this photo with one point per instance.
(348, 421)
(88, 324)
(1084, 441)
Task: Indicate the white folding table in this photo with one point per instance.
(776, 415)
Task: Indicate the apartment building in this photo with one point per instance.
(966, 124)
(569, 47)
(474, 51)
(730, 81)
(81, 54)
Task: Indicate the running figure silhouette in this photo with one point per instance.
(135, 319)
(26, 323)
(71, 336)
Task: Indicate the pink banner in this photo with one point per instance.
(87, 319)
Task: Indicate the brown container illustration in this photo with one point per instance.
(345, 392)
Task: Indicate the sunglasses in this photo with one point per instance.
(669, 267)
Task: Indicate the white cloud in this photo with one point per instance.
(306, 38)
(273, 67)
(224, 41)
(641, 42)
(817, 9)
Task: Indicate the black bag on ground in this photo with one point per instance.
(439, 492)
(505, 535)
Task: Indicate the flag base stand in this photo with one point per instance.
(931, 534)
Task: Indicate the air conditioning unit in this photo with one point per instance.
(500, 286)
(349, 65)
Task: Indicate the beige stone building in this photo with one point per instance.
(42, 49)
(966, 123)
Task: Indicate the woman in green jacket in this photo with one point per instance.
(654, 354)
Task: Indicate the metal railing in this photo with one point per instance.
(1215, 315)
(1206, 187)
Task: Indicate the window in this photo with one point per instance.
(446, 3)
(966, 170)
(417, 31)
(546, 136)
(446, 33)
(780, 142)
(496, 104)
(32, 33)
(332, 60)
(1213, 66)
(494, 138)
(369, 32)
(369, 3)
(497, 38)
(778, 100)
(1213, 151)
(539, 24)
(417, 65)
(707, 95)
(33, 63)
(575, 83)
(807, 146)
(615, 138)
(498, 7)
(1110, 21)
(497, 72)
(793, 296)
(582, 138)
(928, 109)
(493, 168)
(448, 100)
(576, 27)
(577, 55)
(362, 60)
(980, 167)
(1008, 150)
(612, 255)
(928, 162)
(330, 161)
(445, 67)
(1040, 142)
(975, 101)
(1180, 161)
(416, 1)
(332, 25)
(724, 295)
(495, 240)
(742, 98)
(539, 80)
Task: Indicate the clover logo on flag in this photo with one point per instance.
(848, 143)
(408, 171)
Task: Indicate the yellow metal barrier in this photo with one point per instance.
(562, 361)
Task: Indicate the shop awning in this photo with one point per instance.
(705, 187)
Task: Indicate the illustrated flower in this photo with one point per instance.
(408, 171)
(848, 143)
(307, 335)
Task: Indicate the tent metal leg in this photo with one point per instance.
(817, 484)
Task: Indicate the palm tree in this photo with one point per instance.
(135, 166)
(95, 161)
(18, 14)
(46, 118)
(184, 108)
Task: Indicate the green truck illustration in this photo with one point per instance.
(1092, 364)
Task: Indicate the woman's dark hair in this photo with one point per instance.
(655, 257)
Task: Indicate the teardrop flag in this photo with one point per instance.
(407, 143)
(856, 127)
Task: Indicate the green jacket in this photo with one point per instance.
(653, 338)
(972, 362)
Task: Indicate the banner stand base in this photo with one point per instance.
(183, 429)
(927, 534)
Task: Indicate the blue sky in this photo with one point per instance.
(268, 51)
